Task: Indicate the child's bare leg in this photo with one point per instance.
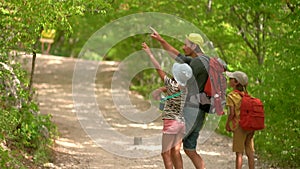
(167, 141)
(176, 156)
(250, 156)
(239, 160)
(167, 159)
(250, 150)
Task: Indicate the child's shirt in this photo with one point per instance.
(174, 107)
(234, 99)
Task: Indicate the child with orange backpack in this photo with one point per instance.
(242, 139)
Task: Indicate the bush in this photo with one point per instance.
(26, 135)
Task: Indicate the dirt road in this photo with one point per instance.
(78, 148)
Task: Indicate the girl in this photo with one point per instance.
(173, 121)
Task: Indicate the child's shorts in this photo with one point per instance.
(173, 127)
(242, 140)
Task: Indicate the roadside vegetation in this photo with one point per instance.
(27, 136)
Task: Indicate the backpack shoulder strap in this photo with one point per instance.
(205, 60)
(239, 92)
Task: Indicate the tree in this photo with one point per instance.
(23, 21)
(21, 24)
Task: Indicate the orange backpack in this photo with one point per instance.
(252, 115)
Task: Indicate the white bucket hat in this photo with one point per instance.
(182, 73)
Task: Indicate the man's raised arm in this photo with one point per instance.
(172, 51)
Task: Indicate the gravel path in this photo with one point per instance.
(81, 143)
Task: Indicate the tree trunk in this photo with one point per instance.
(32, 74)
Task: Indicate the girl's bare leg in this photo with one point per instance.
(176, 156)
(167, 141)
(167, 159)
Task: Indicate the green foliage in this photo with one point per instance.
(9, 159)
(24, 131)
(149, 76)
(23, 128)
(23, 21)
(280, 90)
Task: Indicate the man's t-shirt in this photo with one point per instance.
(174, 106)
(197, 82)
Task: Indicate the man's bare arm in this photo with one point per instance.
(172, 51)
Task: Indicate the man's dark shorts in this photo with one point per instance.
(194, 119)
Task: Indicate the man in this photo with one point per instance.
(194, 116)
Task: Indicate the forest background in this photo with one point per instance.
(260, 38)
